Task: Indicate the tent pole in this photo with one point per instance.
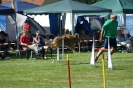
(73, 27)
(123, 19)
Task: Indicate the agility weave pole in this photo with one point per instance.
(109, 56)
(92, 59)
(58, 52)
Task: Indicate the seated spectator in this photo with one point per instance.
(3, 39)
(83, 36)
(124, 42)
(30, 35)
(47, 42)
(39, 40)
(27, 44)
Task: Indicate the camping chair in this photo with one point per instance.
(27, 52)
(121, 48)
(41, 51)
(49, 50)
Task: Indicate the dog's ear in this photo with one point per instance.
(76, 35)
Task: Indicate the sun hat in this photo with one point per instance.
(37, 32)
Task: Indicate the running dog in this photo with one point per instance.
(69, 41)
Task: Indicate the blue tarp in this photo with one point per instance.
(21, 5)
(86, 25)
(2, 22)
(80, 26)
(4, 10)
(129, 24)
(54, 29)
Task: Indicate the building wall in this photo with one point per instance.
(37, 2)
(3, 1)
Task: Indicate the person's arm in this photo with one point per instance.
(105, 26)
(119, 38)
(22, 41)
(36, 41)
(101, 35)
(23, 44)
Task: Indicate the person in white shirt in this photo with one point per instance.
(124, 42)
(47, 42)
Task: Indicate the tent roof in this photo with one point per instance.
(6, 10)
(20, 5)
(117, 6)
(66, 6)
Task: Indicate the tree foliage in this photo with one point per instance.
(88, 1)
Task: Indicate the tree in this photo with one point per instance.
(88, 1)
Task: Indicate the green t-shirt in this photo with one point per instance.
(110, 29)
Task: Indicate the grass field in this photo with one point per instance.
(23, 73)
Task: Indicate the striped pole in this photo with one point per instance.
(69, 77)
(104, 75)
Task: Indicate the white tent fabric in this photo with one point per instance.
(11, 27)
(129, 23)
(95, 23)
(68, 21)
(43, 20)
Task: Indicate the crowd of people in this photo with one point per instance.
(29, 42)
(109, 30)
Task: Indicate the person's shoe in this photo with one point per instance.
(96, 58)
(45, 57)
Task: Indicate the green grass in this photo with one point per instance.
(23, 73)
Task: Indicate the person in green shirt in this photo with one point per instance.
(109, 30)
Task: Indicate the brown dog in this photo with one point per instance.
(69, 41)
